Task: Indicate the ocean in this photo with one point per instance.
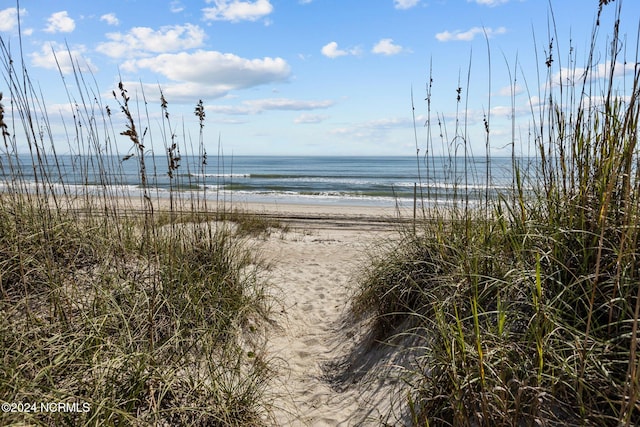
(348, 180)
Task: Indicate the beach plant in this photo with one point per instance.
(119, 308)
(528, 303)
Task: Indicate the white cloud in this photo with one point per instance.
(258, 106)
(9, 18)
(236, 10)
(508, 90)
(503, 111)
(405, 4)
(468, 35)
(110, 18)
(287, 104)
(183, 92)
(60, 22)
(52, 55)
(310, 118)
(570, 76)
(373, 130)
(239, 110)
(211, 66)
(211, 74)
(176, 7)
(386, 47)
(489, 3)
(140, 41)
(331, 50)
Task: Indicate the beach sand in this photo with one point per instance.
(328, 372)
(324, 375)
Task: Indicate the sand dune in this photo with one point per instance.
(328, 372)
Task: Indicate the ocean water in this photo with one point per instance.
(375, 181)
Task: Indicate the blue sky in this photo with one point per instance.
(320, 77)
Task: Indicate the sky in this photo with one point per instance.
(308, 77)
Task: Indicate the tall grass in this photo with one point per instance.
(140, 315)
(528, 306)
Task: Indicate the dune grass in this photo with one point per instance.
(144, 337)
(135, 315)
(528, 303)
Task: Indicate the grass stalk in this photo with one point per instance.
(106, 305)
(528, 306)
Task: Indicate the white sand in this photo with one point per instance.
(313, 269)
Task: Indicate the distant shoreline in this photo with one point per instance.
(283, 180)
(309, 215)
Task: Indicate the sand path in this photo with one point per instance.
(313, 267)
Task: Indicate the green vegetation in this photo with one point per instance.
(137, 315)
(528, 304)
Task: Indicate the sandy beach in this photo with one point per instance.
(313, 268)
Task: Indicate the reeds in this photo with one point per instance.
(136, 314)
(528, 306)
